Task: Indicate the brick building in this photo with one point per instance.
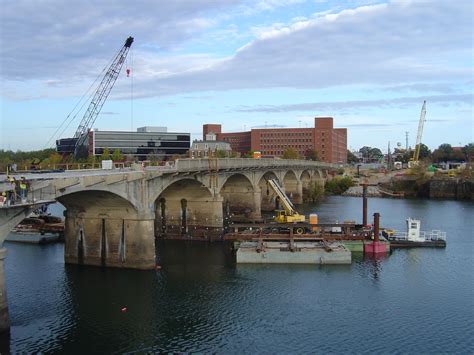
(329, 142)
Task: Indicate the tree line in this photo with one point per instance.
(444, 153)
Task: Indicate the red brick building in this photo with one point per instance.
(329, 142)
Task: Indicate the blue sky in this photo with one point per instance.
(368, 64)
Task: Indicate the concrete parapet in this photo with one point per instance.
(242, 163)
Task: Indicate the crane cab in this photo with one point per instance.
(281, 216)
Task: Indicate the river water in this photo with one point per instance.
(412, 301)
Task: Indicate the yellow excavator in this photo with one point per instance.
(288, 214)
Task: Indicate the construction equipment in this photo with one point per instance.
(76, 145)
(289, 213)
(416, 153)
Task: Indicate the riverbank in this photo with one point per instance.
(420, 185)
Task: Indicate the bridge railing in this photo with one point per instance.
(246, 163)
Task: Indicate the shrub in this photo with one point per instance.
(338, 185)
(315, 191)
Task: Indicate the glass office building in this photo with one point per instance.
(142, 145)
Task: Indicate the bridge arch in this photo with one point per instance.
(98, 202)
(239, 197)
(305, 178)
(268, 196)
(187, 207)
(292, 186)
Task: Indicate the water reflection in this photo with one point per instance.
(200, 301)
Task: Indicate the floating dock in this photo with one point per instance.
(292, 252)
(414, 237)
(33, 237)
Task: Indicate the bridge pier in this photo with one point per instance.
(298, 196)
(109, 241)
(257, 201)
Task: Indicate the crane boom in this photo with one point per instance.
(287, 204)
(100, 96)
(416, 153)
(290, 214)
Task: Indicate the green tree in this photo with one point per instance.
(249, 154)
(105, 155)
(91, 160)
(365, 152)
(23, 159)
(351, 158)
(312, 154)
(315, 191)
(375, 154)
(116, 155)
(290, 153)
(371, 154)
(458, 155)
(443, 153)
(221, 153)
(55, 158)
(338, 185)
(468, 151)
(425, 152)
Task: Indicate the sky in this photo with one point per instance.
(241, 63)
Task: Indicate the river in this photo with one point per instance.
(412, 301)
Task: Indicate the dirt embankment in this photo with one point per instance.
(420, 186)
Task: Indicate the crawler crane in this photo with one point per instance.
(416, 153)
(77, 145)
(289, 213)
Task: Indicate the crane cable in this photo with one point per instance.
(49, 143)
(131, 87)
(130, 66)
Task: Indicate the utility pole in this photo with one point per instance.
(406, 140)
(389, 157)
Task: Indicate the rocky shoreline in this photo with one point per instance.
(372, 191)
(435, 188)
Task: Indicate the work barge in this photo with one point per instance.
(311, 242)
(299, 243)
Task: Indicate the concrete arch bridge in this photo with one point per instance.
(113, 216)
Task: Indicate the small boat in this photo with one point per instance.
(391, 193)
(38, 229)
(414, 237)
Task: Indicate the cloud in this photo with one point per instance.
(58, 39)
(367, 125)
(392, 44)
(358, 104)
(422, 87)
(401, 45)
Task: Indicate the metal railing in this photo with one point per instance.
(244, 163)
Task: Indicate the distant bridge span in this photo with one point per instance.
(113, 216)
